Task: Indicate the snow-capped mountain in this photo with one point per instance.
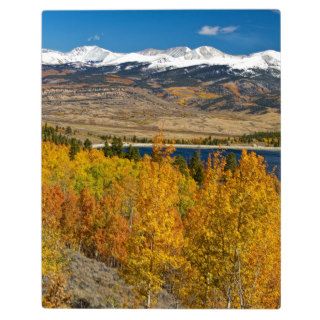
(85, 54)
(172, 58)
(53, 57)
(204, 53)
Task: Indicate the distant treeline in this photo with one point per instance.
(61, 135)
(269, 139)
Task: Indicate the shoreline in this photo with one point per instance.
(197, 146)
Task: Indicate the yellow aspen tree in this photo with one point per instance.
(255, 200)
(209, 230)
(156, 237)
(233, 239)
(56, 165)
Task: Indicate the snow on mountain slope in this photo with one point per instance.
(203, 53)
(150, 52)
(179, 57)
(173, 52)
(261, 60)
(83, 54)
(177, 51)
(90, 53)
(53, 57)
(129, 57)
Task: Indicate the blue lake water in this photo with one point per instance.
(272, 158)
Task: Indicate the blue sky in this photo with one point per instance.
(232, 31)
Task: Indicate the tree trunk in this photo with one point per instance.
(229, 298)
(240, 290)
(149, 299)
(207, 290)
(131, 217)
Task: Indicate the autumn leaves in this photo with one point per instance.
(156, 239)
(233, 237)
(212, 246)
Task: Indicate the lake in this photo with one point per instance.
(273, 158)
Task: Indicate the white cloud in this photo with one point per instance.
(214, 30)
(209, 31)
(96, 37)
(228, 29)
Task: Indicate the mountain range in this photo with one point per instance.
(173, 58)
(187, 92)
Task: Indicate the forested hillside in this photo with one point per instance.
(209, 236)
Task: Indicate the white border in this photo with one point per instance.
(20, 159)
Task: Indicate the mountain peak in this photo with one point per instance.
(150, 52)
(88, 48)
(208, 52)
(177, 51)
(177, 57)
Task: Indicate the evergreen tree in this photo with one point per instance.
(133, 153)
(68, 130)
(231, 162)
(107, 149)
(116, 146)
(181, 164)
(87, 144)
(74, 148)
(196, 168)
